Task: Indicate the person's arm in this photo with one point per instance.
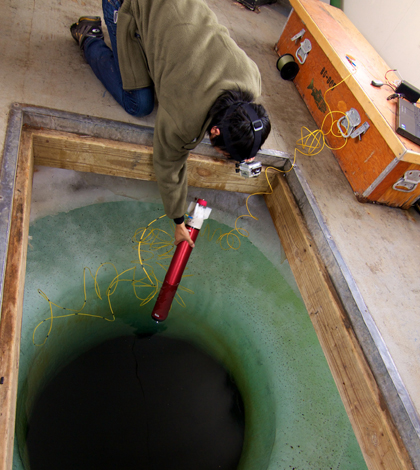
(169, 161)
(182, 234)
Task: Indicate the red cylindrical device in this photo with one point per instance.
(174, 274)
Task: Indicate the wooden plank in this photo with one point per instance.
(412, 157)
(375, 431)
(88, 154)
(11, 315)
(107, 157)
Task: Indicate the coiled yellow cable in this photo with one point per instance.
(158, 242)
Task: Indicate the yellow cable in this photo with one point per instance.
(77, 312)
(312, 143)
(154, 241)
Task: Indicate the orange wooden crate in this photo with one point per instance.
(381, 158)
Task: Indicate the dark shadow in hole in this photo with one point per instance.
(133, 402)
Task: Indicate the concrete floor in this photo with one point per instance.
(378, 246)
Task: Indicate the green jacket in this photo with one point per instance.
(179, 47)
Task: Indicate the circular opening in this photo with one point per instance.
(240, 309)
(132, 401)
(287, 66)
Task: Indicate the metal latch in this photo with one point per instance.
(303, 50)
(350, 121)
(360, 131)
(408, 182)
(297, 36)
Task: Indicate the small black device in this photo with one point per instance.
(287, 67)
(249, 170)
(408, 120)
(408, 91)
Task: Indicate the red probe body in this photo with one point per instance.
(176, 269)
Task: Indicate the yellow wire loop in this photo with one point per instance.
(150, 243)
(312, 143)
(155, 242)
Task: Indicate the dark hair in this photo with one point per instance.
(237, 123)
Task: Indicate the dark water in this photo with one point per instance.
(138, 403)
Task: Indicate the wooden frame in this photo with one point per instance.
(374, 427)
(106, 157)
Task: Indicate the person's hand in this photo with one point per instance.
(181, 234)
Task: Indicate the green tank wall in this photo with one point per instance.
(245, 312)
